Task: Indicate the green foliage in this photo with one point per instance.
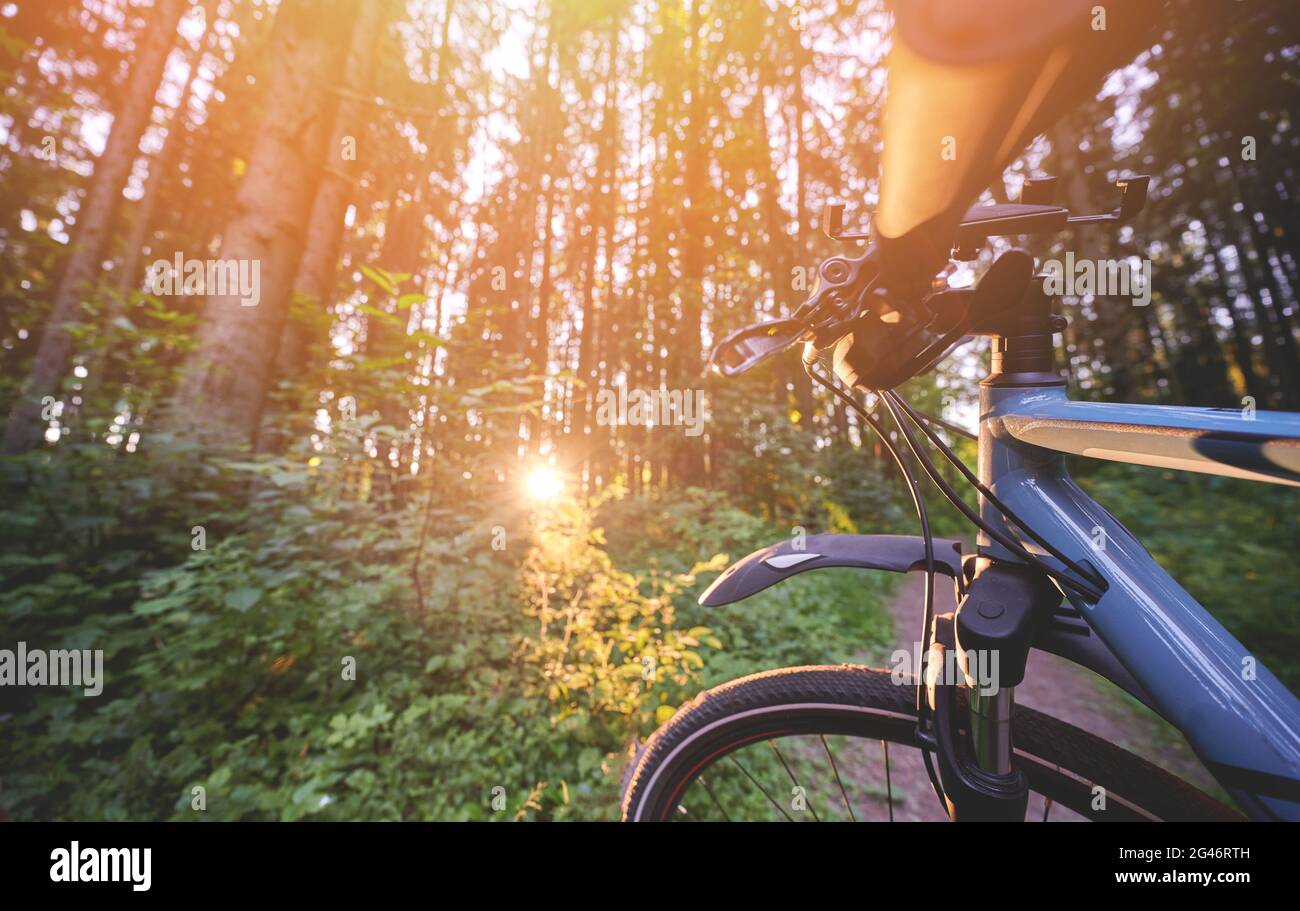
(827, 616)
(528, 668)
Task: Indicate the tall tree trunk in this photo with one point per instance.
(690, 453)
(540, 342)
(584, 385)
(1273, 335)
(601, 209)
(538, 360)
(26, 429)
(127, 278)
(1202, 368)
(227, 377)
(1120, 328)
(128, 275)
(317, 269)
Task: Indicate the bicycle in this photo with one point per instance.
(1053, 570)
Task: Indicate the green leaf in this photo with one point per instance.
(159, 605)
(380, 277)
(241, 599)
(378, 314)
(381, 363)
(427, 338)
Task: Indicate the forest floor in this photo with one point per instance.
(1052, 685)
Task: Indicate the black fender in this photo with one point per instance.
(764, 568)
(1066, 634)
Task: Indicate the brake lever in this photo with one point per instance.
(842, 285)
(746, 348)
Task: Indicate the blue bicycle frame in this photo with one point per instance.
(1238, 717)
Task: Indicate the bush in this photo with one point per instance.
(289, 670)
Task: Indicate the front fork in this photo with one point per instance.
(990, 727)
(1001, 608)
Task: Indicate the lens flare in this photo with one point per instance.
(545, 484)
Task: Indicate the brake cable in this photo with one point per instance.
(922, 704)
(897, 406)
(954, 498)
(892, 399)
(1089, 574)
(931, 419)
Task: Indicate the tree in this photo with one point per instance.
(317, 270)
(226, 380)
(26, 428)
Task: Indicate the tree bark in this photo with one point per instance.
(226, 379)
(803, 392)
(317, 269)
(583, 435)
(687, 341)
(25, 429)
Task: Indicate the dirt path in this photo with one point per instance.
(1052, 685)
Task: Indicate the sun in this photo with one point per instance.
(545, 484)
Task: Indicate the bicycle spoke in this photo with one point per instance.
(682, 808)
(847, 805)
(748, 746)
(793, 780)
(714, 798)
(769, 797)
(889, 787)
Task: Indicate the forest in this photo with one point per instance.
(353, 388)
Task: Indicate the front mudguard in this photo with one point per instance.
(1067, 633)
(764, 568)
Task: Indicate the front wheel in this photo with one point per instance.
(839, 743)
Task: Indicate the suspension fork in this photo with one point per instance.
(990, 727)
(1005, 606)
(1001, 609)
